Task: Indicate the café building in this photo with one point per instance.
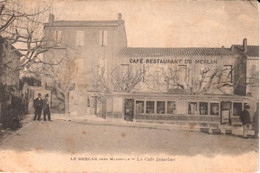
(196, 86)
(200, 86)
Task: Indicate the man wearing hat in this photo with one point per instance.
(46, 108)
(37, 104)
(245, 119)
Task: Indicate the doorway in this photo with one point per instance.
(225, 113)
(129, 109)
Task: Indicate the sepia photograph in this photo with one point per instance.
(129, 86)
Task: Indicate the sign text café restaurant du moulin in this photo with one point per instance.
(196, 86)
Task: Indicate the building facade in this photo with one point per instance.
(153, 84)
(90, 45)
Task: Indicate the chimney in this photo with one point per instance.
(245, 45)
(232, 48)
(119, 16)
(51, 18)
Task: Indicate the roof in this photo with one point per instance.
(158, 52)
(252, 50)
(97, 23)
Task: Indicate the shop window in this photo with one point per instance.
(237, 109)
(79, 38)
(171, 107)
(160, 107)
(192, 108)
(203, 108)
(214, 109)
(150, 107)
(103, 38)
(139, 107)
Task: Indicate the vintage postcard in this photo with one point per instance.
(129, 86)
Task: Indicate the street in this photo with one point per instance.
(77, 137)
(53, 146)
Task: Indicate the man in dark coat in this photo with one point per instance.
(245, 119)
(37, 104)
(46, 108)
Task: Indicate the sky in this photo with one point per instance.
(170, 23)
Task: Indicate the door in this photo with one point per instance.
(129, 109)
(225, 113)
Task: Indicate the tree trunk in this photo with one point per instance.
(67, 96)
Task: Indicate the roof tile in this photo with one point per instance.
(156, 52)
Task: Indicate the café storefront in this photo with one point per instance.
(201, 110)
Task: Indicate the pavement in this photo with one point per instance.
(50, 145)
(93, 119)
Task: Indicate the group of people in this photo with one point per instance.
(245, 119)
(42, 105)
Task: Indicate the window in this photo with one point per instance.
(182, 70)
(171, 107)
(103, 38)
(237, 109)
(139, 107)
(192, 108)
(203, 108)
(150, 107)
(214, 109)
(160, 107)
(227, 74)
(154, 76)
(80, 38)
(57, 36)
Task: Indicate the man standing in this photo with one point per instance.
(46, 108)
(245, 119)
(37, 104)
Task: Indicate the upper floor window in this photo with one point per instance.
(103, 38)
(177, 76)
(57, 36)
(182, 69)
(79, 38)
(227, 73)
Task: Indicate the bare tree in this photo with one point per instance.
(206, 82)
(22, 27)
(119, 79)
(58, 74)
